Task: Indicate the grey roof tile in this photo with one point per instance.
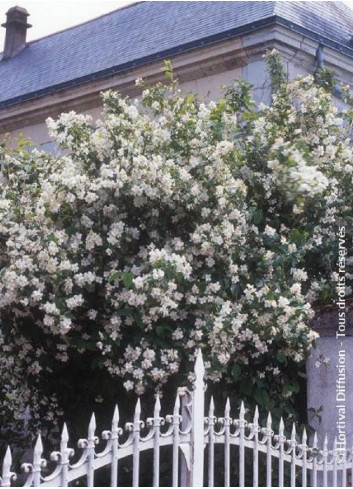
(146, 29)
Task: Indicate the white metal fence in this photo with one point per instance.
(252, 455)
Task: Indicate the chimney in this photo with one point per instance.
(16, 29)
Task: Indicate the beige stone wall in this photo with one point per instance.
(38, 133)
(208, 87)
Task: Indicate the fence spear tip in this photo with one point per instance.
(138, 409)
(92, 425)
(7, 459)
(157, 405)
(64, 434)
(227, 408)
(294, 431)
(315, 440)
(116, 415)
(211, 405)
(176, 405)
(199, 365)
(38, 447)
(242, 409)
(281, 426)
(256, 415)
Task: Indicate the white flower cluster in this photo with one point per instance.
(297, 177)
(168, 227)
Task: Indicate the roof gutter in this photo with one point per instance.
(336, 89)
(207, 41)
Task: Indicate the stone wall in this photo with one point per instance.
(323, 377)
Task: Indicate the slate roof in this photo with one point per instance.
(146, 31)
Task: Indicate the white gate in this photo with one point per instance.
(249, 451)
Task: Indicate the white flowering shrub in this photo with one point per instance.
(171, 224)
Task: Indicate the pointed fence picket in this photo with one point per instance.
(247, 447)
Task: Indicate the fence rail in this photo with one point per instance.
(288, 461)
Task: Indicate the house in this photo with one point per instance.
(210, 44)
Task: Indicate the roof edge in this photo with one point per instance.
(181, 49)
(325, 41)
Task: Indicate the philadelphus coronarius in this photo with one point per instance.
(172, 223)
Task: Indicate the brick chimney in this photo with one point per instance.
(16, 29)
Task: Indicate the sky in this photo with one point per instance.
(48, 16)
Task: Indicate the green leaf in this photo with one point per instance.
(139, 323)
(190, 99)
(298, 237)
(234, 289)
(127, 278)
(236, 371)
(271, 296)
(168, 69)
(261, 397)
(246, 387)
(114, 276)
(257, 216)
(293, 387)
(281, 357)
(160, 330)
